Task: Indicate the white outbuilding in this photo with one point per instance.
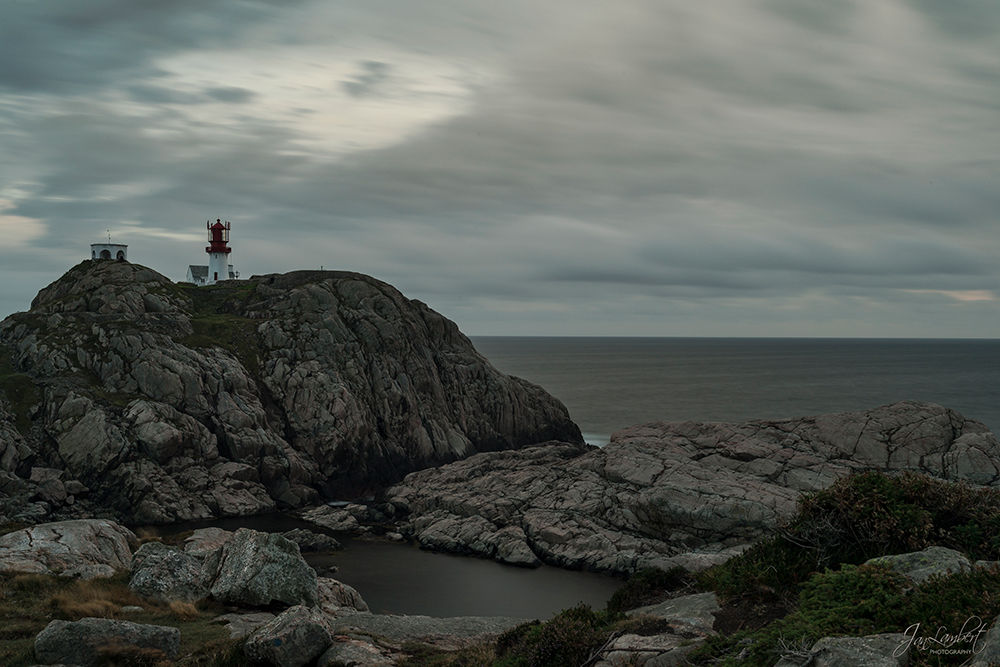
(109, 250)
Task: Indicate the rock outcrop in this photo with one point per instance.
(659, 490)
(294, 639)
(257, 569)
(165, 574)
(91, 641)
(162, 402)
(885, 650)
(919, 566)
(86, 548)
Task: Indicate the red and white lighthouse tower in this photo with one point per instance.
(218, 251)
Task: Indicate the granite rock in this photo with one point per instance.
(81, 642)
(919, 566)
(257, 569)
(295, 638)
(174, 403)
(686, 493)
(85, 548)
(166, 574)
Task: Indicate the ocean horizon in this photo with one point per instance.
(609, 383)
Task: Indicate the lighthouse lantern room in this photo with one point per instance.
(218, 251)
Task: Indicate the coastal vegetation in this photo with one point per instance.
(814, 570)
(814, 578)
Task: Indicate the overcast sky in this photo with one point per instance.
(662, 167)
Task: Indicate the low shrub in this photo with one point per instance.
(647, 586)
(567, 640)
(860, 517)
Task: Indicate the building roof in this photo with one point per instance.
(198, 271)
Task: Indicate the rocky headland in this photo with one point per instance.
(668, 494)
(124, 395)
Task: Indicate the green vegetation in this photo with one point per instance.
(28, 602)
(215, 321)
(814, 563)
(19, 391)
(813, 566)
(647, 587)
(862, 517)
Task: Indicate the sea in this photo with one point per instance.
(610, 383)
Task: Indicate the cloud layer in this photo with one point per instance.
(764, 167)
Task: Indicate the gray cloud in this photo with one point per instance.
(803, 162)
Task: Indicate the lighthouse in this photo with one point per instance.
(218, 251)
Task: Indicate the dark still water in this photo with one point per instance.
(610, 383)
(401, 579)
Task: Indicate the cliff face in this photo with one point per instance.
(170, 402)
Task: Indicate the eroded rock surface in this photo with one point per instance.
(85, 548)
(80, 642)
(919, 566)
(166, 403)
(295, 638)
(257, 569)
(658, 492)
(885, 650)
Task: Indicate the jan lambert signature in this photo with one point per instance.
(965, 642)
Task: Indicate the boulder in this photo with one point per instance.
(986, 650)
(258, 569)
(337, 598)
(885, 650)
(310, 542)
(687, 615)
(83, 642)
(919, 566)
(85, 548)
(165, 574)
(206, 541)
(242, 624)
(294, 639)
(663, 650)
(335, 519)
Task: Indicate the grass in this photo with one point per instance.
(28, 602)
(216, 322)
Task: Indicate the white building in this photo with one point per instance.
(109, 250)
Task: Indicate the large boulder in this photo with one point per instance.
(658, 492)
(257, 569)
(166, 574)
(885, 650)
(84, 642)
(172, 403)
(294, 639)
(919, 566)
(84, 548)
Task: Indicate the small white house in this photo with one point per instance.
(109, 250)
(199, 274)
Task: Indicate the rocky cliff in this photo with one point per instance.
(664, 494)
(125, 394)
